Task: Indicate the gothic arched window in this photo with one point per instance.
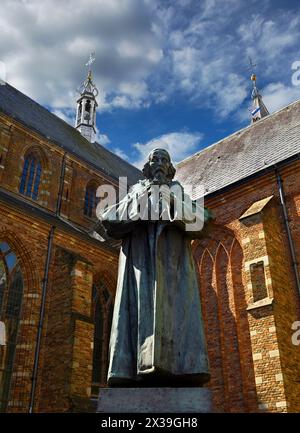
(31, 176)
(102, 310)
(90, 201)
(11, 297)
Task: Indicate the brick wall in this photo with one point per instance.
(247, 286)
(256, 328)
(65, 361)
(16, 142)
(28, 240)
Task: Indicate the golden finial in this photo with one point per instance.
(252, 66)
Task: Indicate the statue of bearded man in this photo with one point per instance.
(157, 336)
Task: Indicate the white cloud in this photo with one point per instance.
(67, 115)
(101, 138)
(45, 46)
(269, 38)
(147, 51)
(277, 95)
(178, 144)
(136, 90)
(120, 153)
(208, 48)
(129, 49)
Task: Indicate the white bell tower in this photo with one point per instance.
(87, 105)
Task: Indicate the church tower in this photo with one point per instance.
(87, 105)
(259, 110)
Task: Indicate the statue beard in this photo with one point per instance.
(159, 178)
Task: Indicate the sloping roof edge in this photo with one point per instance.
(236, 133)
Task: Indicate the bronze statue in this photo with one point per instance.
(157, 335)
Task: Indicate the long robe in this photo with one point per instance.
(157, 326)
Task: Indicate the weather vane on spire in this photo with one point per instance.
(252, 68)
(91, 59)
(258, 108)
(252, 65)
(88, 85)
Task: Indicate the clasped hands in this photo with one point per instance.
(158, 193)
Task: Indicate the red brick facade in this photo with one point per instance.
(254, 365)
(64, 378)
(246, 278)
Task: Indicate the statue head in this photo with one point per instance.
(159, 167)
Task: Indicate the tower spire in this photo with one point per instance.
(87, 105)
(258, 110)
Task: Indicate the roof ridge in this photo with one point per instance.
(42, 106)
(239, 132)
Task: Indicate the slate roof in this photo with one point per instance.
(270, 140)
(20, 107)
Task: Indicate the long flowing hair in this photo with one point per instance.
(146, 169)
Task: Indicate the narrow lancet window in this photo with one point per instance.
(90, 201)
(31, 177)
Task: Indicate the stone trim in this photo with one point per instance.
(262, 303)
(264, 259)
(256, 207)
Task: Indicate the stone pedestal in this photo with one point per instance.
(154, 400)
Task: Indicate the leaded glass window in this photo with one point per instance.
(11, 296)
(90, 201)
(31, 176)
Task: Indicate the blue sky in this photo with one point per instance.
(170, 73)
